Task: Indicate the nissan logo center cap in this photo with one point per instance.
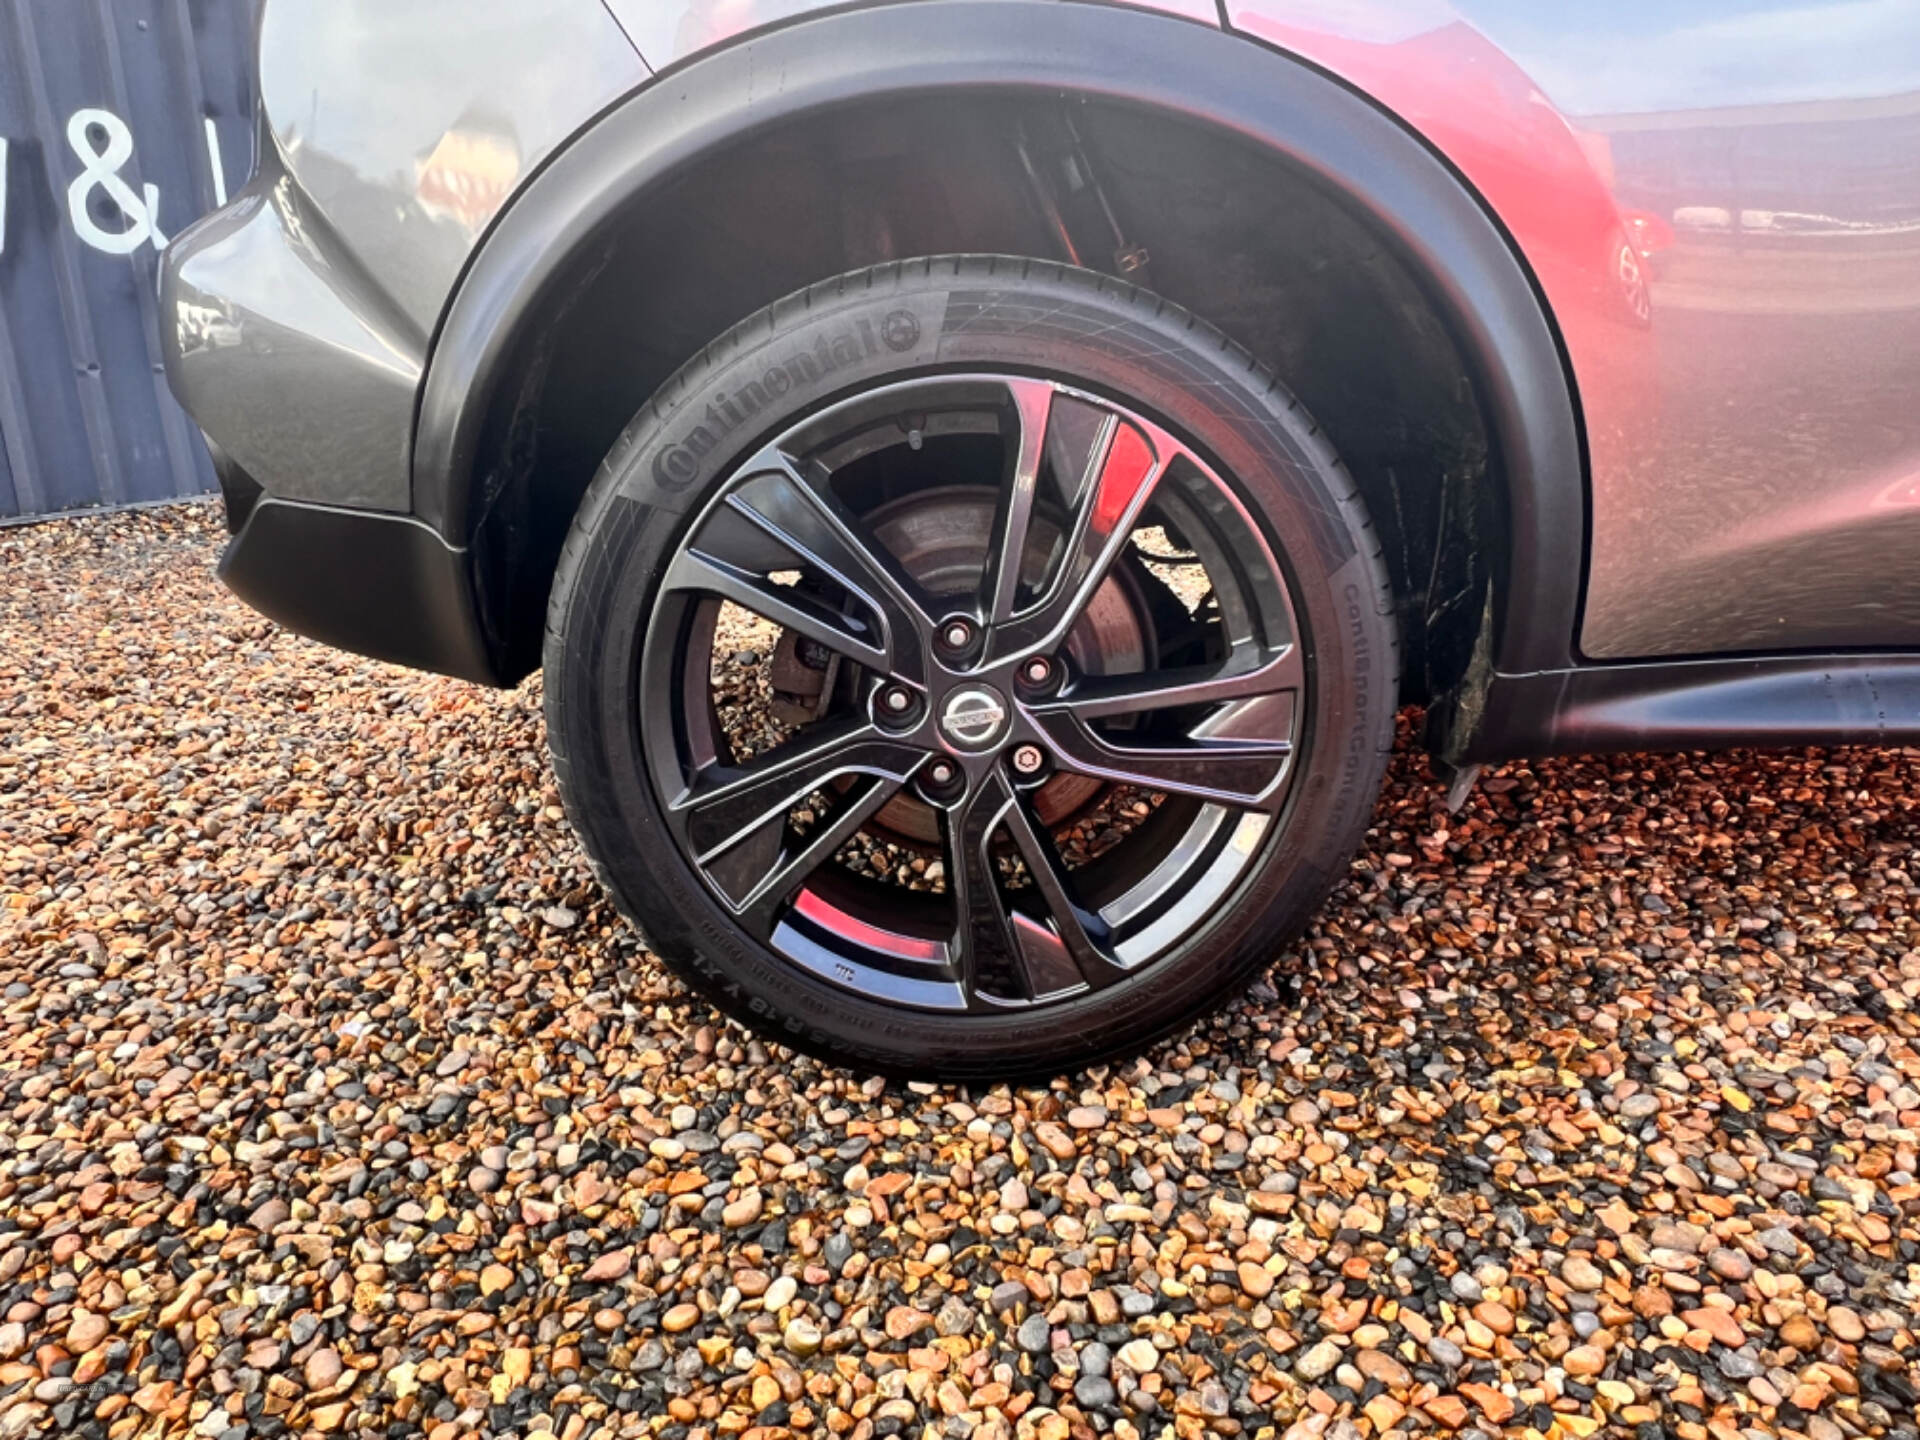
(974, 717)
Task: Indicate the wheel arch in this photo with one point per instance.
(1410, 198)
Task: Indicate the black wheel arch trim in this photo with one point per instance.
(1137, 57)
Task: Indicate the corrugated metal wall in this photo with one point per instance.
(121, 122)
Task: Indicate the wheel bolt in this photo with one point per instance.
(1028, 759)
(1037, 671)
(896, 700)
(941, 772)
(957, 633)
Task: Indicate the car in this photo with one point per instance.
(979, 478)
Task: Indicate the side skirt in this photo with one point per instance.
(1695, 705)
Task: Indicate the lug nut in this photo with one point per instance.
(1037, 671)
(957, 633)
(941, 782)
(1028, 759)
(896, 700)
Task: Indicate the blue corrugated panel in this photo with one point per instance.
(121, 122)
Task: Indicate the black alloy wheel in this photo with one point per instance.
(940, 686)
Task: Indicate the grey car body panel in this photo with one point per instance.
(430, 116)
(1782, 142)
(300, 314)
(306, 377)
(1762, 488)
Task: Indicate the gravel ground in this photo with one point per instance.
(337, 1101)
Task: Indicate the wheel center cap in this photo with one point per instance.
(973, 717)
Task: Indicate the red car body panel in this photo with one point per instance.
(1729, 230)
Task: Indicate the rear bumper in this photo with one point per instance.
(305, 387)
(381, 585)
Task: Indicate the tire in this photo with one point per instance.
(1259, 498)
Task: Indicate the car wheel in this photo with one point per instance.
(971, 668)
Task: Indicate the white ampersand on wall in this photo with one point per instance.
(101, 170)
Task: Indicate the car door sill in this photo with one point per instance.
(1780, 700)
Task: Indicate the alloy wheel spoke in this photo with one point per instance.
(1101, 696)
(727, 804)
(1122, 476)
(777, 518)
(794, 499)
(1243, 773)
(984, 950)
(785, 606)
(761, 907)
(997, 949)
(1079, 934)
(1032, 404)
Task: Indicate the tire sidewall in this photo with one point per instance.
(895, 324)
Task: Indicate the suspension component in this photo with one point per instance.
(1072, 202)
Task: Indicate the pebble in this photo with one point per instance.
(1317, 1360)
(1728, 1263)
(1585, 1360)
(1135, 1303)
(1738, 1365)
(1450, 1411)
(1255, 1280)
(1382, 1368)
(1581, 1273)
(956, 1318)
(323, 1367)
(1846, 1325)
(613, 1265)
(1094, 1391)
(1799, 1332)
(86, 1331)
(838, 1250)
(1495, 1316)
(341, 1101)
(779, 1294)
